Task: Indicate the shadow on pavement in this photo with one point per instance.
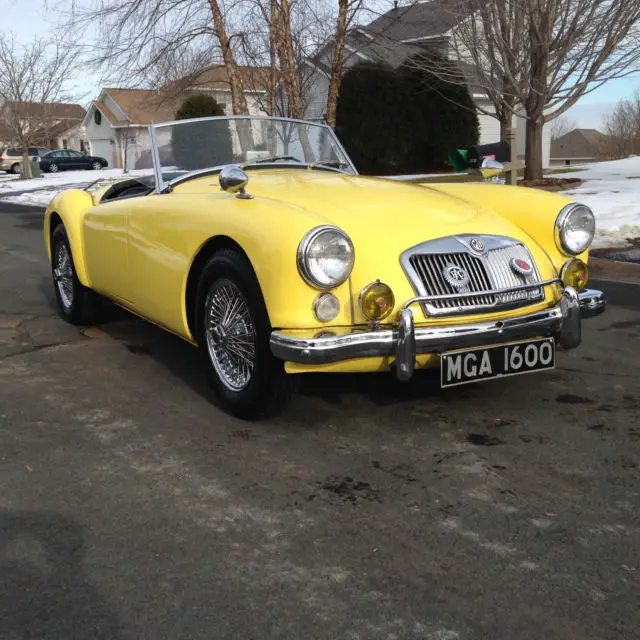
(44, 591)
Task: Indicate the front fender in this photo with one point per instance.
(70, 206)
(533, 210)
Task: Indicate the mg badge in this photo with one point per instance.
(455, 276)
(521, 266)
(477, 245)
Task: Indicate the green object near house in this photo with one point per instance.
(458, 159)
(34, 166)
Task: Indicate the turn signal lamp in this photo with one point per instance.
(377, 301)
(575, 273)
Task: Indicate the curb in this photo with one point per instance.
(604, 269)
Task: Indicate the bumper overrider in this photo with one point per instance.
(404, 341)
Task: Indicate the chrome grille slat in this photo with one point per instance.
(488, 271)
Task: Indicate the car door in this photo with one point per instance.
(75, 160)
(104, 228)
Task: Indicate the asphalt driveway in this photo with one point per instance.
(132, 508)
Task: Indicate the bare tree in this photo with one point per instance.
(32, 79)
(561, 126)
(537, 58)
(622, 128)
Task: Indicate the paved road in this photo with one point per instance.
(131, 508)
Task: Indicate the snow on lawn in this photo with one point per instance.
(40, 191)
(612, 190)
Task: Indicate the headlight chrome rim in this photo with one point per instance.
(301, 257)
(561, 222)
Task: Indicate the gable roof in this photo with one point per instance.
(142, 106)
(579, 143)
(49, 110)
(423, 19)
(145, 106)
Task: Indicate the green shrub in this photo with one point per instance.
(366, 118)
(404, 120)
(206, 143)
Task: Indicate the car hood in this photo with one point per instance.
(380, 215)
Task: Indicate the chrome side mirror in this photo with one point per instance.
(491, 169)
(234, 180)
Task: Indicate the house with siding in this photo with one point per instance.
(117, 121)
(391, 38)
(577, 146)
(55, 125)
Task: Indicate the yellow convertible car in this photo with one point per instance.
(255, 239)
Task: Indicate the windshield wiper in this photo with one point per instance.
(332, 164)
(273, 159)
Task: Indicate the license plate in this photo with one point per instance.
(510, 359)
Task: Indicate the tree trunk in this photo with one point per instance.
(284, 43)
(238, 99)
(26, 167)
(273, 60)
(337, 63)
(533, 153)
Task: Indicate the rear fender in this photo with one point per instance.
(70, 206)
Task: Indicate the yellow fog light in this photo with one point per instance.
(575, 273)
(326, 307)
(377, 301)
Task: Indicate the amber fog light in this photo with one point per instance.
(326, 307)
(575, 273)
(377, 301)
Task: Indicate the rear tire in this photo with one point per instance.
(53, 168)
(232, 330)
(78, 304)
(15, 168)
(97, 165)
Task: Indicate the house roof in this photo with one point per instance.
(143, 106)
(423, 19)
(53, 110)
(579, 143)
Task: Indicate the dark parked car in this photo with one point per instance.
(64, 159)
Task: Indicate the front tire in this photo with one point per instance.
(78, 304)
(97, 165)
(232, 331)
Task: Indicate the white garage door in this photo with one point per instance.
(104, 149)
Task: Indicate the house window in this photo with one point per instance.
(83, 146)
(97, 117)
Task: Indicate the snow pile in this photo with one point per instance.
(40, 191)
(612, 190)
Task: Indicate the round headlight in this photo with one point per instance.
(325, 257)
(575, 273)
(377, 301)
(575, 229)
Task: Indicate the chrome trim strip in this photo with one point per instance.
(473, 294)
(592, 303)
(155, 154)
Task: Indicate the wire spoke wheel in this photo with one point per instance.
(231, 335)
(63, 274)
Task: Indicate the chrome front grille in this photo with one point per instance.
(430, 268)
(489, 270)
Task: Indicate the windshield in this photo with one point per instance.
(185, 146)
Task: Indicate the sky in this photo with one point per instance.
(30, 18)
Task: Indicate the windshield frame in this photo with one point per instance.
(161, 185)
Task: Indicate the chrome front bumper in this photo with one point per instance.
(405, 341)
